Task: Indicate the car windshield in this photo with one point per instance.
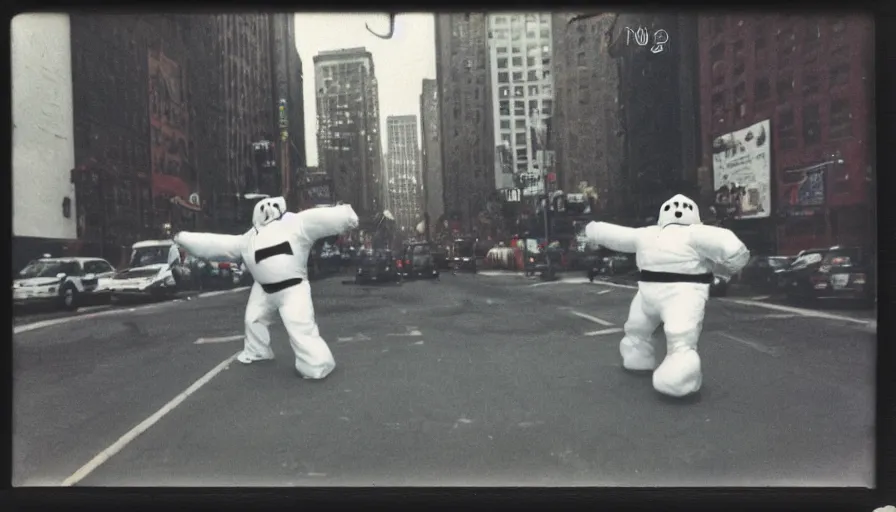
(42, 268)
(778, 262)
(420, 250)
(149, 256)
(463, 248)
(806, 259)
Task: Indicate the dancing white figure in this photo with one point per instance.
(677, 259)
(275, 251)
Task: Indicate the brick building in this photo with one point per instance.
(811, 77)
(431, 153)
(166, 109)
(586, 128)
(348, 138)
(466, 116)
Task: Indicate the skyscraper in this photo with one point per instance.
(465, 113)
(519, 46)
(348, 139)
(431, 152)
(403, 171)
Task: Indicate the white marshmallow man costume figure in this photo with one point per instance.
(677, 259)
(275, 251)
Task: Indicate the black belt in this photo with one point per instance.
(649, 276)
(282, 285)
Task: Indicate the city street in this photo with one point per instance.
(491, 379)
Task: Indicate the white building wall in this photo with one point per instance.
(520, 57)
(43, 151)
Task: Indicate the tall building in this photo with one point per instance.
(657, 102)
(586, 135)
(465, 114)
(296, 104)
(810, 78)
(348, 138)
(520, 65)
(403, 171)
(431, 153)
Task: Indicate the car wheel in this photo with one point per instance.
(69, 298)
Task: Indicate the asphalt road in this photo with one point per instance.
(473, 380)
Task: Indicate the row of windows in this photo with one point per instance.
(532, 47)
(519, 107)
(519, 91)
(516, 34)
(516, 19)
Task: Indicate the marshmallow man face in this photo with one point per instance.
(268, 210)
(678, 210)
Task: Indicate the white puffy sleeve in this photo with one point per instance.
(613, 237)
(211, 245)
(720, 246)
(317, 223)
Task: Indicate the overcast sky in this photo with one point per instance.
(401, 63)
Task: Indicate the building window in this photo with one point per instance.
(533, 106)
(740, 99)
(530, 61)
(520, 138)
(477, 115)
(810, 84)
(505, 139)
(840, 75)
(502, 63)
(517, 62)
(520, 124)
(519, 108)
(840, 52)
(502, 50)
(504, 91)
(517, 76)
(503, 78)
(505, 124)
(500, 20)
(521, 154)
(504, 108)
(786, 129)
(760, 51)
(580, 59)
(812, 36)
(841, 119)
(739, 60)
(717, 103)
(717, 52)
(784, 86)
(811, 125)
(519, 91)
(762, 89)
(546, 107)
(533, 90)
(786, 43)
(839, 27)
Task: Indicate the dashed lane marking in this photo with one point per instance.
(143, 426)
(752, 344)
(219, 339)
(594, 319)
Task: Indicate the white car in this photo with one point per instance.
(67, 282)
(150, 271)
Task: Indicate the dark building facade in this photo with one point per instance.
(586, 128)
(811, 77)
(296, 106)
(657, 105)
(431, 153)
(467, 139)
(166, 110)
(348, 138)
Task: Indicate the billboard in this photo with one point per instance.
(741, 169)
(802, 191)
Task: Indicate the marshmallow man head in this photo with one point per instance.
(679, 210)
(268, 210)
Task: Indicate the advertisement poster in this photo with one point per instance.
(741, 165)
(803, 191)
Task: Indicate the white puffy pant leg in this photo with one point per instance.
(259, 314)
(313, 357)
(680, 373)
(636, 347)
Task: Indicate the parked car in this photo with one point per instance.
(611, 263)
(761, 271)
(378, 266)
(64, 282)
(418, 261)
(833, 273)
(151, 271)
(463, 254)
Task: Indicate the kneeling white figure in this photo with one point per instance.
(677, 259)
(275, 251)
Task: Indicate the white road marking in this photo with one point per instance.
(615, 285)
(418, 343)
(409, 331)
(603, 292)
(222, 292)
(799, 311)
(57, 321)
(591, 318)
(761, 297)
(219, 339)
(612, 330)
(752, 344)
(132, 434)
(779, 316)
(356, 337)
(499, 273)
